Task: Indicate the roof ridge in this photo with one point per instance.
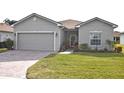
(97, 18)
(70, 20)
(35, 14)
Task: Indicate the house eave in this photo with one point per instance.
(96, 18)
(35, 14)
(6, 31)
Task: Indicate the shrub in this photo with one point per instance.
(118, 49)
(65, 46)
(8, 44)
(2, 45)
(83, 47)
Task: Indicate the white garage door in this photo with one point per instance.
(36, 41)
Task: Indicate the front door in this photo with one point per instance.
(73, 40)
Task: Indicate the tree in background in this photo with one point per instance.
(9, 22)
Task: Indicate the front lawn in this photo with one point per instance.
(79, 65)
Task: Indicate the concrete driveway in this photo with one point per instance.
(15, 63)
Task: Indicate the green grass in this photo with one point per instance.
(79, 65)
(3, 50)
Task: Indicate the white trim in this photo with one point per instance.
(90, 38)
(77, 26)
(59, 35)
(96, 31)
(60, 24)
(35, 32)
(16, 40)
(54, 41)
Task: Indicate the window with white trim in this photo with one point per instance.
(95, 38)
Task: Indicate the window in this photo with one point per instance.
(95, 38)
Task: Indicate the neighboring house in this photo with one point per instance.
(116, 37)
(36, 32)
(6, 32)
(122, 38)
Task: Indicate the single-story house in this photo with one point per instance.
(6, 32)
(36, 32)
(122, 38)
(116, 37)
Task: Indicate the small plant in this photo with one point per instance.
(64, 46)
(83, 47)
(76, 49)
(105, 49)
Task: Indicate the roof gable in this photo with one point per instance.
(99, 19)
(70, 24)
(37, 15)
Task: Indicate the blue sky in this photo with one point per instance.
(111, 10)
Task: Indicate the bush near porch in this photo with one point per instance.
(83, 65)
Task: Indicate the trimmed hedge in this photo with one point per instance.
(7, 44)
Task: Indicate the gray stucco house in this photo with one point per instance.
(36, 32)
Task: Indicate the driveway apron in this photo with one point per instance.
(14, 63)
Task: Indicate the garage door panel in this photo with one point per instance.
(39, 41)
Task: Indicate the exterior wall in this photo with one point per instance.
(6, 35)
(122, 39)
(62, 38)
(106, 34)
(37, 24)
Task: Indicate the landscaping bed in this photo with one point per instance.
(79, 66)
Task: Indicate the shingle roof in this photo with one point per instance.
(70, 24)
(35, 14)
(97, 18)
(5, 28)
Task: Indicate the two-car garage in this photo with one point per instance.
(42, 40)
(36, 32)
